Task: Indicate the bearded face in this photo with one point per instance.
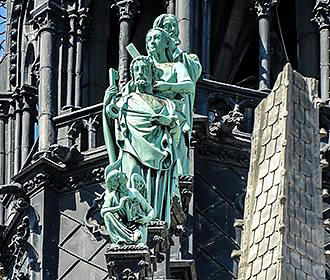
(142, 75)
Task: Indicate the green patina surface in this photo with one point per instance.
(147, 128)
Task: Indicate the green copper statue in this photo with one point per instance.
(125, 211)
(169, 23)
(147, 128)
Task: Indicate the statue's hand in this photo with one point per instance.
(143, 220)
(162, 120)
(131, 194)
(161, 86)
(110, 93)
(121, 202)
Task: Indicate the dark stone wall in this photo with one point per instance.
(81, 255)
(218, 197)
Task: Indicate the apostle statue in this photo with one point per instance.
(147, 128)
(169, 23)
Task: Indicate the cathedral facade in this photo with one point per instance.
(55, 57)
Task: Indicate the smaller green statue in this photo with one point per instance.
(125, 211)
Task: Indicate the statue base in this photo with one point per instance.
(130, 262)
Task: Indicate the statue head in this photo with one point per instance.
(170, 24)
(141, 73)
(116, 181)
(138, 183)
(157, 43)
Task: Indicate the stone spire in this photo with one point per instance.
(283, 233)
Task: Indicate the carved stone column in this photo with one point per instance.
(61, 74)
(28, 114)
(18, 131)
(321, 16)
(46, 15)
(10, 148)
(92, 126)
(70, 69)
(4, 107)
(206, 36)
(263, 10)
(40, 183)
(184, 15)
(127, 11)
(81, 30)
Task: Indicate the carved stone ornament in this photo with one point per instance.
(82, 25)
(41, 180)
(19, 247)
(93, 220)
(223, 126)
(48, 17)
(62, 154)
(158, 239)
(263, 7)
(35, 70)
(325, 155)
(321, 13)
(131, 262)
(20, 205)
(96, 175)
(127, 8)
(45, 21)
(4, 108)
(186, 190)
(17, 8)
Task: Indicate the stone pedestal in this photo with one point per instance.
(129, 262)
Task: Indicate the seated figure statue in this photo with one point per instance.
(125, 211)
